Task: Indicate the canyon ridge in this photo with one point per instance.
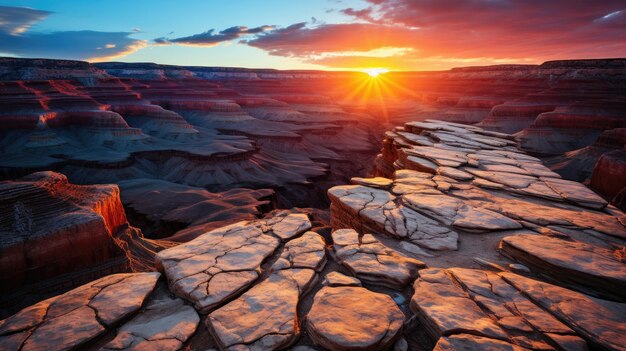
(159, 207)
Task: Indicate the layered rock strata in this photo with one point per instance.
(446, 184)
(49, 226)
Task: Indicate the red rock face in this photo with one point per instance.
(51, 227)
(609, 176)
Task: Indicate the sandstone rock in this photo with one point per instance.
(164, 324)
(465, 342)
(434, 310)
(420, 164)
(439, 156)
(163, 201)
(453, 211)
(578, 265)
(374, 210)
(601, 323)
(265, 317)
(465, 189)
(49, 226)
(371, 261)
(518, 312)
(220, 264)
(520, 268)
(378, 182)
(608, 176)
(575, 192)
(353, 318)
(455, 173)
(414, 249)
(306, 251)
(334, 279)
(73, 319)
(287, 226)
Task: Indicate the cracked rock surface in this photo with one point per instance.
(521, 313)
(218, 265)
(164, 324)
(371, 261)
(460, 188)
(265, 317)
(453, 195)
(374, 210)
(585, 267)
(353, 318)
(70, 320)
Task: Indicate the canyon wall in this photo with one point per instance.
(196, 148)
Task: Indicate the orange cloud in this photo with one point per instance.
(438, 34)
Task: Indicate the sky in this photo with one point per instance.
(320, 34)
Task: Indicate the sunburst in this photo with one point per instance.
(375, 72)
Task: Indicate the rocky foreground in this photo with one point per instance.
(463, 242)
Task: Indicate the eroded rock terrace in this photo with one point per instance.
(463, 242)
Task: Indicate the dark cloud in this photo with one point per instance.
(363, 14)
(211, 38)
(459, 31)
(521, 15)
(16, 20)
(300, 40)
(17, 39)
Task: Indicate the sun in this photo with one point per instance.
(375, 72)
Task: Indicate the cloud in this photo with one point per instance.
(17, 39)
(211, 38)
(456, 32)
(301, 40)
(16, 20)
(363, 14)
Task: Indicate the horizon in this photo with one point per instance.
(330, 35)
(386, 71)
(329, 175)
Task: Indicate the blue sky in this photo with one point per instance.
(326, 34)
(158, 18)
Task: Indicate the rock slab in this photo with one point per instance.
(353, 318)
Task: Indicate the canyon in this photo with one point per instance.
(157, 207)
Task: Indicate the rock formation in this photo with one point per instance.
(372, 262)
(512, 312)
(241, 323)
(156, 205)
(608, 177)
(50, 227)
(220, 264)
(462, 240)
(348, 318)
(181, 128)
(68, 321)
